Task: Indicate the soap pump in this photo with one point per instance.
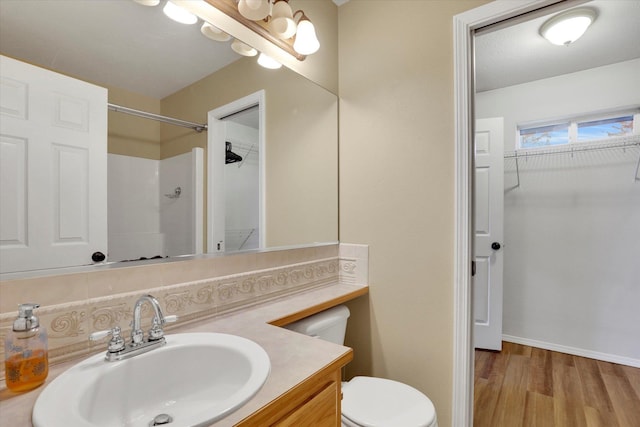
(25, 348)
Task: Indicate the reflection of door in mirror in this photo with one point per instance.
(242, 181)
(54, 155)
(235, 145)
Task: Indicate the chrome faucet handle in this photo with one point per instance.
(170, 319)
(156, 332)
(116, 343)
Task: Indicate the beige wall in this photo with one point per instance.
(131, 135)
(322, 66)
(397, 187)
(301, 144)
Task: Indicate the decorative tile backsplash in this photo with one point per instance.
(70, 323)
(354, 263)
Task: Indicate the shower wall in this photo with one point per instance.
(146, 217)
(133, 208)
(177, 218)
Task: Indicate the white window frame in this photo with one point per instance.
(573, 127)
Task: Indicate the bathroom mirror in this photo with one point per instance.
(150, 63)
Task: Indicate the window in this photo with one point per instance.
(606, 128)
(544, 136)
(577, 130)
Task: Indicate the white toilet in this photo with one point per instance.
(368, 401)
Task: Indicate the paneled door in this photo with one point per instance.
(53, 166)
(489, 214)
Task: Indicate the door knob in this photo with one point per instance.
(495, 246)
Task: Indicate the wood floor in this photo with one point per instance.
(527, 386)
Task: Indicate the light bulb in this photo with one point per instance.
(243, 48)
(268, 62)
(255, 10)
(306, 41)
(179, 14)
(214, 33)
(148, 2)
(282, 23)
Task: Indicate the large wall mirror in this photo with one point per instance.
(157, 190)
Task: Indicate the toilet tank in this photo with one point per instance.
(329, 325)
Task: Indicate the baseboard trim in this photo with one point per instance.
(607, 357)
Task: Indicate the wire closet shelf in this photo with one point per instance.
(624, 142)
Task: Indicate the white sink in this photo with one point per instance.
(195, 378)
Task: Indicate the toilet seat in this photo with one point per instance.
(379, 402)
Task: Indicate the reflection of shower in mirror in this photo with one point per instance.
(154, 207)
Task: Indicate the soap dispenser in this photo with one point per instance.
(25, 348)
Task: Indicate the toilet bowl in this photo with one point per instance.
(369, 401)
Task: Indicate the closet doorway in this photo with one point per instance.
(465, 26)
(571, 190)
(235, 195)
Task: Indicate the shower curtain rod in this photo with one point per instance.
(170, 120)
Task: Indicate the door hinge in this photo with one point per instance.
(473, 268)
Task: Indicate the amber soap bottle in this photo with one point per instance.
(25, 348)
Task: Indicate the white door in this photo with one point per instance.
(489, 209)
(216, 223)
(53, 154)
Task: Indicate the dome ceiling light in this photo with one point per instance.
(567, 27)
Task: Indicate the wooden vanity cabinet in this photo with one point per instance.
(314, 402)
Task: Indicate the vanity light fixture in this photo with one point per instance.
(214, 33)
(281, 23)
(279, 27)
(179, 14)
(255, 10)
(148, 2)
(567, 27)
(275, 22)
(268, 62)
(242, 48)
(306, 40)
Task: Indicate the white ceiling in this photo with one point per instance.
(124, 44)
(112, 42)
(518, 54)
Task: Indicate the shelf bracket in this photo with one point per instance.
(515, 156)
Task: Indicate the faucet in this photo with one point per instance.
(118, 349)
(156, 332)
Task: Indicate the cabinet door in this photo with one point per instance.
(315, 402)
(319, 411)
(53, 153)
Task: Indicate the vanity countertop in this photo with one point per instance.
(294, 357)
